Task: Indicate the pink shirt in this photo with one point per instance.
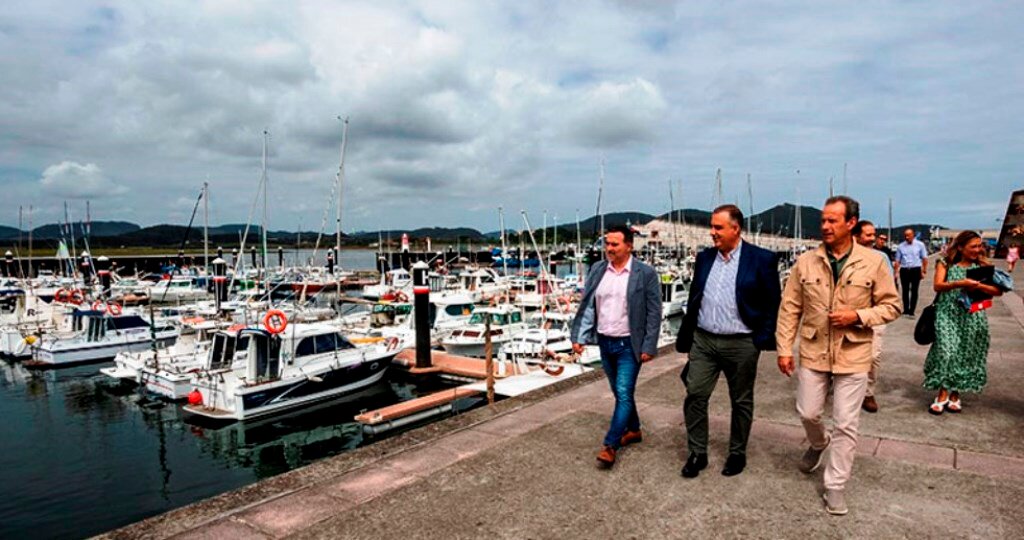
(612, 311)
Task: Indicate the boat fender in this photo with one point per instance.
(195, 397)
(114, 309)
(275, 321)
(24, 344)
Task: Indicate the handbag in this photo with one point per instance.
(924, 330)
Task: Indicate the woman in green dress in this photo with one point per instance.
(957, 360)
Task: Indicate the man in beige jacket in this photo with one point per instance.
(833, 297)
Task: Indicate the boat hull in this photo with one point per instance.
(272, 398)
(98, 352)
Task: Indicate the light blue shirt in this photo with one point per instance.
(718, 311)
(911, 255)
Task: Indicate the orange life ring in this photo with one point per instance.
(114, 309)
(401, 297)
(275, 321)
(77, 297)
(97, 306)
(62, 295)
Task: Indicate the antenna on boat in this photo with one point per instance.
(206, 225)
(600, 191)
(504, 247)
(265, 181)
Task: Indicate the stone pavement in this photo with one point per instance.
(525, 468)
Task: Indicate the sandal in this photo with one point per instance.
(954, 406)
(938, 407)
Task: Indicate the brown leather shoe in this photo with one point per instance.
(869, 405)
(606, 458)
(631, 437)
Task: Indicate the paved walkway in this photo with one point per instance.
(525, 468)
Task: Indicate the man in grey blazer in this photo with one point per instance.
(621, 313)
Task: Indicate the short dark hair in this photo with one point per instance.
(852, 206)
(734, 212)
(627, 233)
(859, 227)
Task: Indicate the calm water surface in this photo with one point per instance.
(79, 456)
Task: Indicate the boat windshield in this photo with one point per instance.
(459, 310)
(497, 319)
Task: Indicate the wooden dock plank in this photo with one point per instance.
(447, 363)
(400, 410)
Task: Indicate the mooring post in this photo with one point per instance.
(421, 305)
(489, 359)
(103, 271)
(220, 282)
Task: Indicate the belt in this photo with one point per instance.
(604, 336)
(726, 336)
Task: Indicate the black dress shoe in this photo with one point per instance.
(734, 464)
(694, 465)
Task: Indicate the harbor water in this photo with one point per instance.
(80, 456)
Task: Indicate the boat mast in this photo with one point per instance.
(600, 192)
(504, 248)
(206, 227)
(554, 232)
(672, 213)
(265, 181)
(750, 199)
(577, 254)
(341, 180)
(31, 274)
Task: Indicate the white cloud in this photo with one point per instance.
(73, 180)
(471, 105)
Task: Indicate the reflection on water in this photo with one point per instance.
(80, 455)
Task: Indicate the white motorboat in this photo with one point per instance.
(251, 372)
(469, 340)
(178, 289)
(166, 372)
(397, 280)
(98, 335)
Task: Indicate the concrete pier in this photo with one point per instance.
(525, 467)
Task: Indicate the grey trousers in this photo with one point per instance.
(711, 354)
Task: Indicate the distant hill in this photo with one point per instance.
(778, 220)
(97, 229)
(8, 232)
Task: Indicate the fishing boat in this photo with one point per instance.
(99, 334)
(251, 372)
(469, 340)
(178, 289)
(166, 372)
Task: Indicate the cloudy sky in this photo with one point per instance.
(458, 107)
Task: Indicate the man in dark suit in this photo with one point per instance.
(730, 318)
(620, 312)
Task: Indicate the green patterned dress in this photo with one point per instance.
(957, 360)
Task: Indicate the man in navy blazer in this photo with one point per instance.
(621, 313)
(730, 318)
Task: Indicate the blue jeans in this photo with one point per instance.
(622, 368)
